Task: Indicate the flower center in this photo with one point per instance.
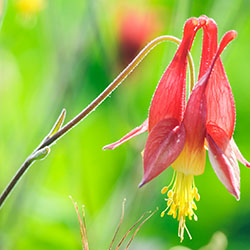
(180, 200)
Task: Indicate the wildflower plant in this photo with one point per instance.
(179, 132)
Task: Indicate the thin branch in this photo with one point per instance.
(50, 139)
(140, 227)
(96, 102)
(117, 229)
(38, 154)
(124, 237)
(83, 229)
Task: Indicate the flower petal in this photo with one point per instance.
(223, 159)
(197, 106)
(219, 135)
(209, 45)
(169, 98)
(221, 108)
(164, 144)
(191, 161)
(136, 131)
(238, 154)
(192, 158)
(195, 117)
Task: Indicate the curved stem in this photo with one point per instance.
(95, 103)
(118, 80)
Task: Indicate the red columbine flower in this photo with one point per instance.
(223, 152)
(178, 134)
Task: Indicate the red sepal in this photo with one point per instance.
(136, 131)
(221, 108)
(165, 142)
(169, 98)
(238, 154)
(223, 159)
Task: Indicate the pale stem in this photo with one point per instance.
(49, 140)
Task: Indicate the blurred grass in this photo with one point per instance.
(63, 57)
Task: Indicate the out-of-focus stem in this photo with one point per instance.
(92, 106)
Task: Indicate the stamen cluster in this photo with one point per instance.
(180, 200)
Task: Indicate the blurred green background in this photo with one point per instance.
(58, 54)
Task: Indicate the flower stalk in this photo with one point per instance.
(58, 130)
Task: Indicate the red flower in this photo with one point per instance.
(223, 152)
(178, 133)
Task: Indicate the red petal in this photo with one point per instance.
(197, 106)
(223, 160)
(169, 98)
(195, 117)
(219, 136)
(221, 107)
(136, 131)
(164, 144)
(238, 154)
(209, 46)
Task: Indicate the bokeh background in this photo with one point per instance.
(58, 54)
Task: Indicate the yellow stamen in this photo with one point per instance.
(195, 217)
(164, 190)
(197, 197)
(170, 194)
(169, 202)
(194, 206)
(142, 153)
(180, 201)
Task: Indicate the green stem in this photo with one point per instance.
(92, 106)
(50, 139)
